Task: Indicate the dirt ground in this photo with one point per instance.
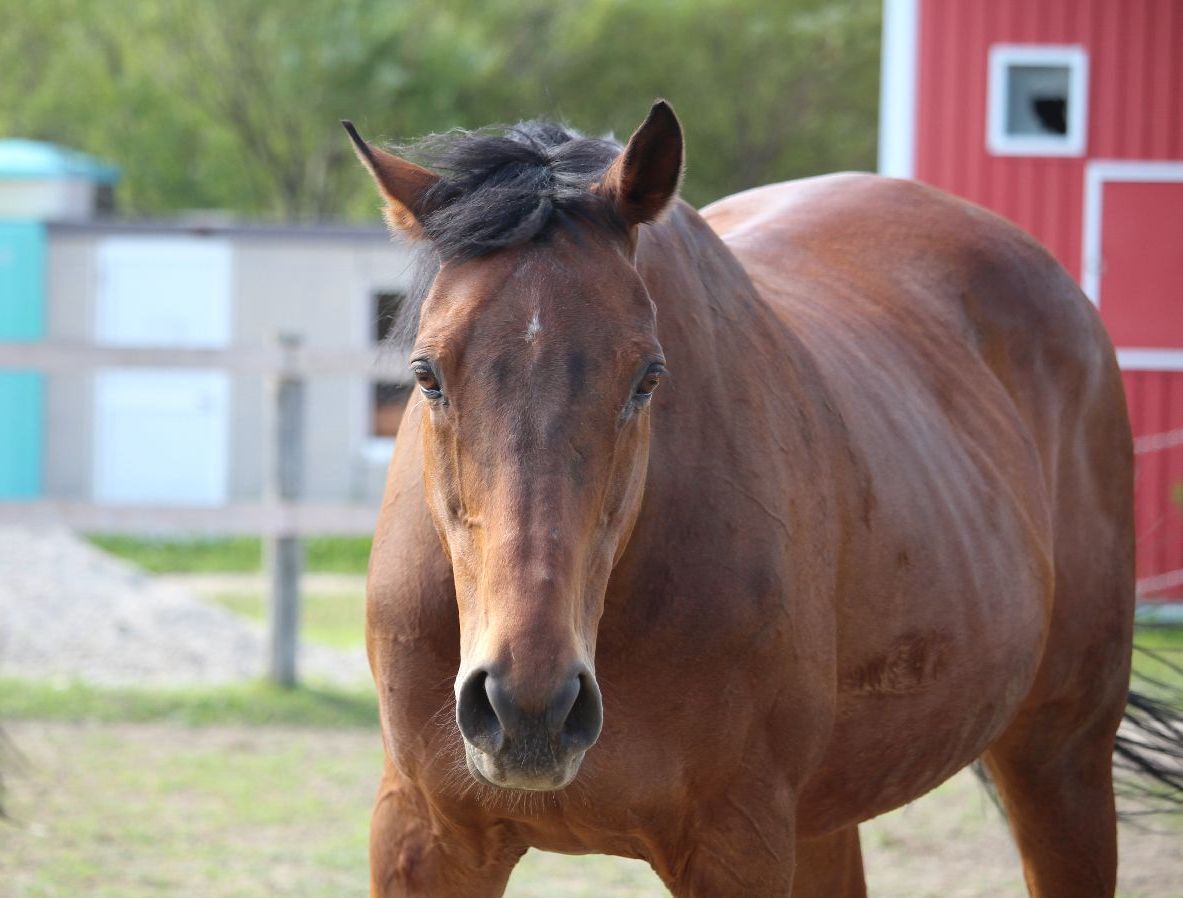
(117, 811)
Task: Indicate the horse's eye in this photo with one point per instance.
(426, 379)
(650, 381)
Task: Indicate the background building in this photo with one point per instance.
(70, 274)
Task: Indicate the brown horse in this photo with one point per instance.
(877, 524)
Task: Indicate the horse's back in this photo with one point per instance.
(988, 456)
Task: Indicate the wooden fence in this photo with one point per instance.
(282, 518)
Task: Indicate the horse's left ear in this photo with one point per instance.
(402, 184)
(644, 178)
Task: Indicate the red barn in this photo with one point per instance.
(1066, 116)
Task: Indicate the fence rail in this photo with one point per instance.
(61, 356)
(267, 519)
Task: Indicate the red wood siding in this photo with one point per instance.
(1135, 101)
(1156, 408)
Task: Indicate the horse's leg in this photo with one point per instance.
(743, 845)
(830, 867)
(1054, 763)
(1057, 788)
(827, 867)
(411, 858)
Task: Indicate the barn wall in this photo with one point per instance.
(1135, 102)
(1156, 409)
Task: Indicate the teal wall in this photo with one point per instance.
(22, 318)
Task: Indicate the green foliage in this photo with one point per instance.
(220, 555)
(235, 105)
(254, 704)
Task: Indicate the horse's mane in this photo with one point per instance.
(500, 187)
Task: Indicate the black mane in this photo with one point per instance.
(501, 187)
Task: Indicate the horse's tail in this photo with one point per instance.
(1148, 757)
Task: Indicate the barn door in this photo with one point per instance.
(162, 435)
(1134, 272)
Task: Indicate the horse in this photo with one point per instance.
(711, 535)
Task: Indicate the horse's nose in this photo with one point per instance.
(491, 714)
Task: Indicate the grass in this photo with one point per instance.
(334, 619)
(154, 809)
(327, 554)
(134, 811)
(1158, 660)
(254, 704)
(119, 811)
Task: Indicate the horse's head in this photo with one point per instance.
(536, 357)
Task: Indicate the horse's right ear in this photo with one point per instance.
(402, 184)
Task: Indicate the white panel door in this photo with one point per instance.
(161, 435)
(164, 291)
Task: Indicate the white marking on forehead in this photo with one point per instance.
(534, 327)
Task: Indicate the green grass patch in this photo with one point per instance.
(336, 620)
(138, 811)
(322, 554)
(1158, 661)
(252, 704)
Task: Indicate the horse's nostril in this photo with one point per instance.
(475, 715)
(582, 727)
(491, 717)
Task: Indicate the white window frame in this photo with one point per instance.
(1002, 58)
(1098, 173)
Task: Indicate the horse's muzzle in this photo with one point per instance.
(537, 745)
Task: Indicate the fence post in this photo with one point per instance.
(285, 553)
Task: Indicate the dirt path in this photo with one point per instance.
(160, 809)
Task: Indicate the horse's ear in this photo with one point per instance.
(644, 178)
(402, 184)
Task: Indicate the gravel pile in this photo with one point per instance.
(71, 612)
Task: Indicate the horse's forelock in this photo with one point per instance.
(501, 187)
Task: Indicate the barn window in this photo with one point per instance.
(1038, 100)
(388, 398)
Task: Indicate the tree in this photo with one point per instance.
(235, 105)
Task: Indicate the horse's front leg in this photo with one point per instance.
(743, 846)
(830, 866)
(412, 856)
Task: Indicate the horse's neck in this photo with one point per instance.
(711, 319)
(746, 400)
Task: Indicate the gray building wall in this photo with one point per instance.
(317, 283)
